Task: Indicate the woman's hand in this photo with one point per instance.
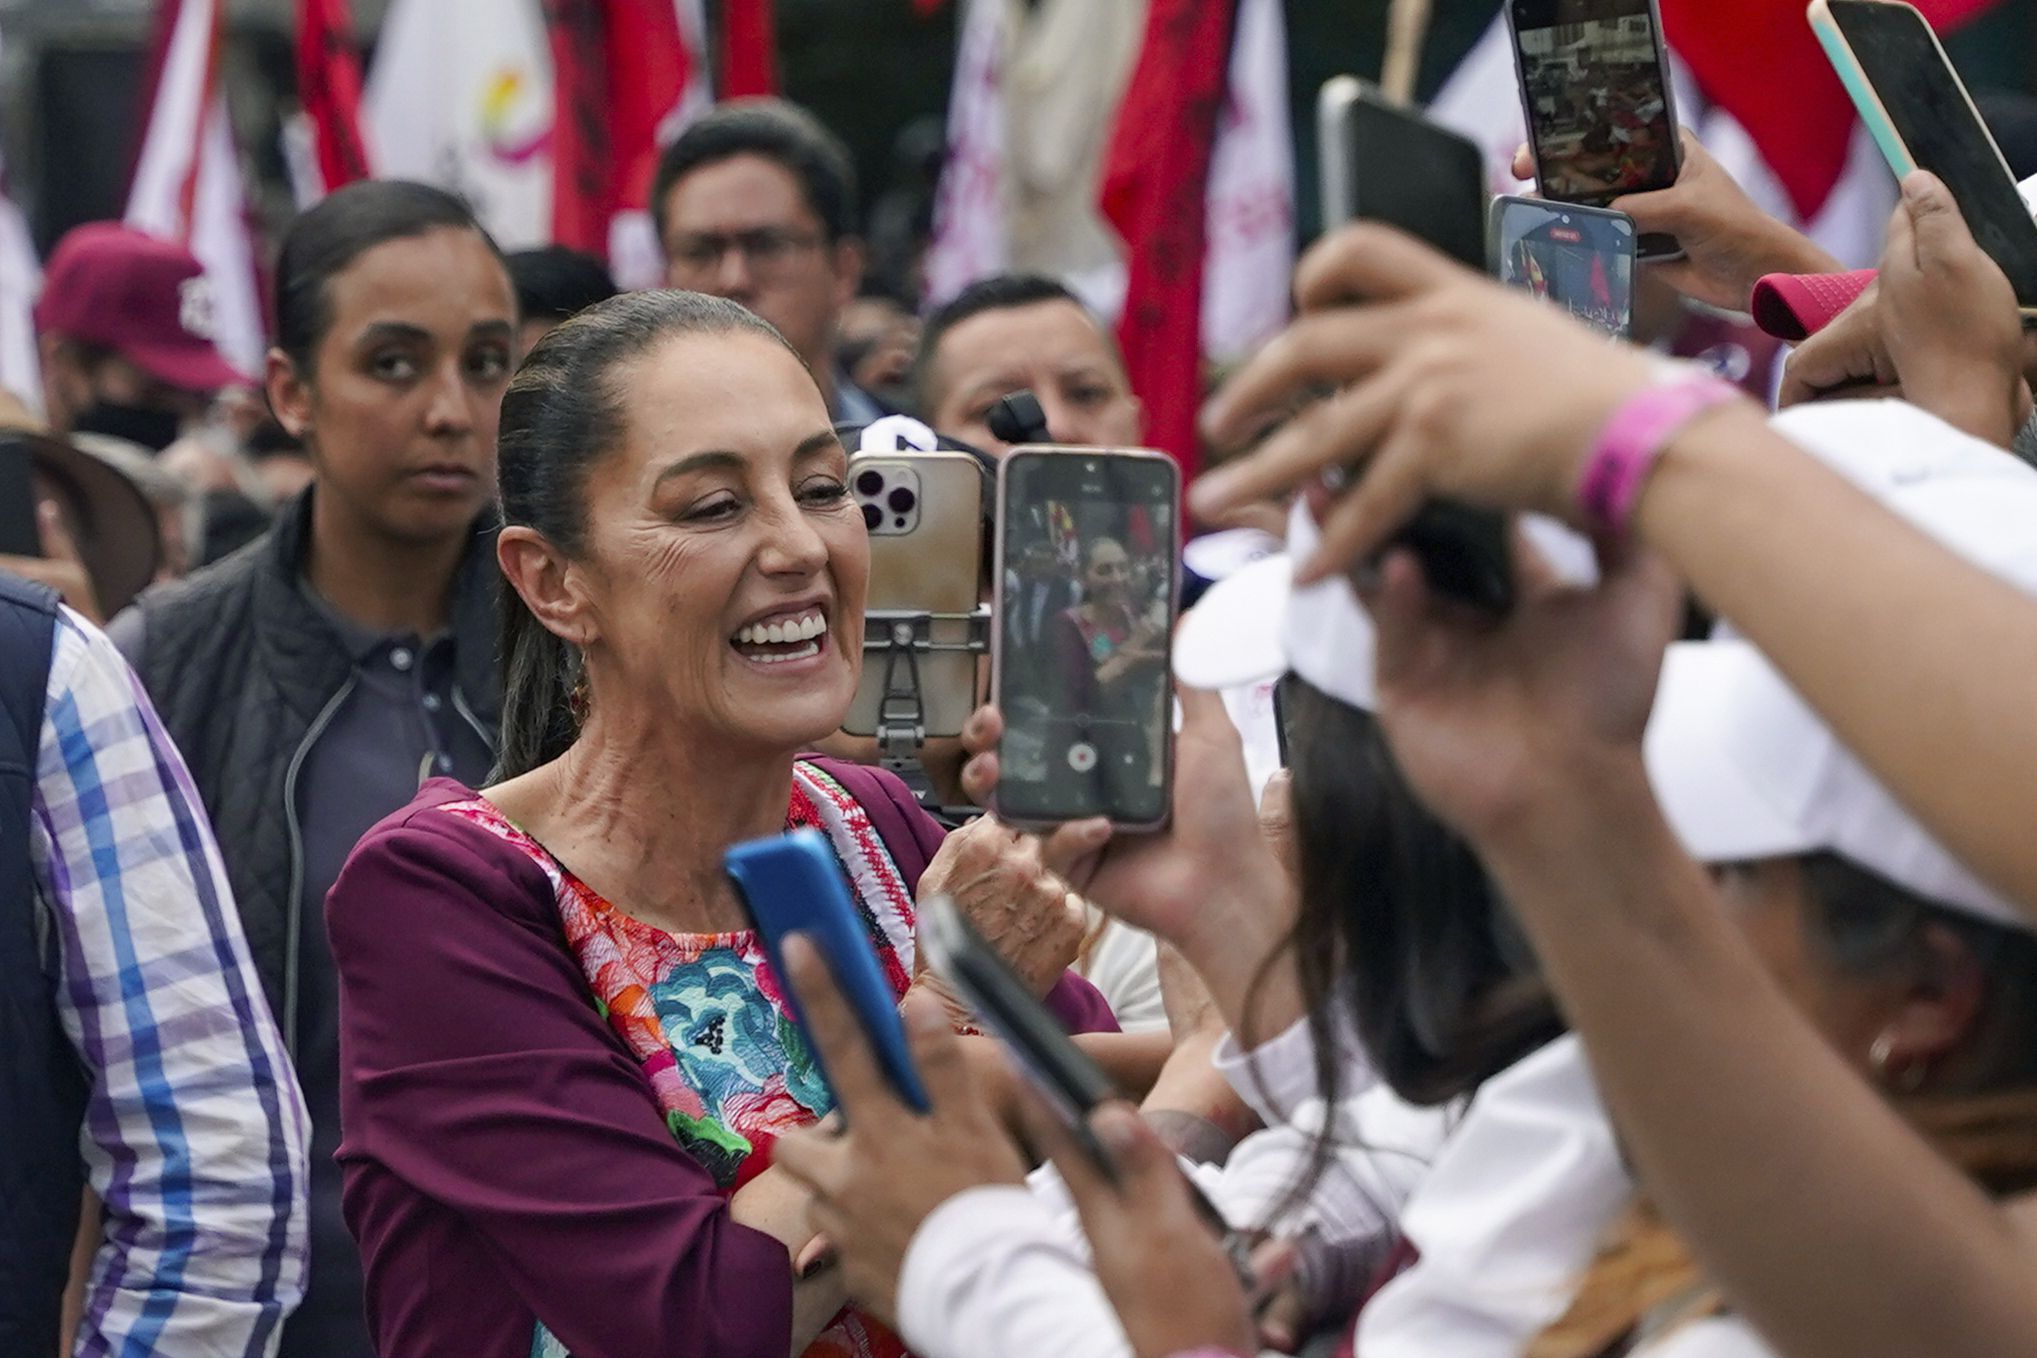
(1208, 883)
(1495, 722)
(875, 1179)
(1948, 316)
(1457, 388)
(1847, 359)
(1004, 888)
(1160, 1263)
(1210, 852)
(1728, 242)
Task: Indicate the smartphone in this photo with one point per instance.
(925, 516)
(793, 883)
(1595, 87)
(1073, 1084)
(1088, 558)
(1581, 258)
(1383, 163)
(1922, 118)
(19, 533)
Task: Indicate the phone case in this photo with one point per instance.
(1009, 1010)
(792, 883)
(1660, 252)
(929, 561)
(999, 660)
(1874, 114)
(1865, 101)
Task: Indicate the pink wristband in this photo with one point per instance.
(1632, 440)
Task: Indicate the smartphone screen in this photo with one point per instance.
(1582, 259)
(19, 535)
(1930, 112)
(1597, 97)
(1087, 552)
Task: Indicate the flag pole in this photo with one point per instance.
(1407, 26)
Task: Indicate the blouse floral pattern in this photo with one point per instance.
(707, 1019)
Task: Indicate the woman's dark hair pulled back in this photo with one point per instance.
(340, 228)
(562, 413)
(1401, 934)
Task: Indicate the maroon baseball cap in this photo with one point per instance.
(1795, 306)
(145, 298)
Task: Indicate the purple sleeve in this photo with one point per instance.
(913, 838)
(478, 1078)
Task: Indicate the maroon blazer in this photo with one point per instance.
(504, 1156)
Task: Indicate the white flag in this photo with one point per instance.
(1249, 204)
(188, 185)
(972, 236)
(460, 95)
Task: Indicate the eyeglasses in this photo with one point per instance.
(766, 250)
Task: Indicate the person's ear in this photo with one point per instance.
(848, 260)
(289, 394)
(551, 586)
(1935, 1013)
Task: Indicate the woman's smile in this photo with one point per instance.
(792, 640)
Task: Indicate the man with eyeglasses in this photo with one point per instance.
(756, 202)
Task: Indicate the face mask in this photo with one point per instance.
(152, 428)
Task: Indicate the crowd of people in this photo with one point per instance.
(1647, 971)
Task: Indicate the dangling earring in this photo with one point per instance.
(577, 700)
(1906, 1078)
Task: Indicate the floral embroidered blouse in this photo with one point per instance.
(707, 1019)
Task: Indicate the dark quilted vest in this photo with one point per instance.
(42, 1087)
(240, 665)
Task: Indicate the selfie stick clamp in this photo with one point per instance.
(901, 714)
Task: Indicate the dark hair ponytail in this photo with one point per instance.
(561, 414)
(344, 225)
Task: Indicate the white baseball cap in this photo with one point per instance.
(1253, 625)
(1745, 771)
(1743, 767)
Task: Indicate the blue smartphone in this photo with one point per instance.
(792, 883)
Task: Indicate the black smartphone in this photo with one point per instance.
(1073, 1084)
(19, 533)
(1386, 164)
(1580, 258)
(1601, 112)
(1922, 118)
(1088, 557)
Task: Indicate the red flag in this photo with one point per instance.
(620, 69)
(329, 86)
(1760, 61)
(749, 49)
(1155, 182)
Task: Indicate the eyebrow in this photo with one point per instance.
(722, 459)
(379, 331)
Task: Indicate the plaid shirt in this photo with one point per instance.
(195, 1132)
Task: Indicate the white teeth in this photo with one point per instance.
(806, 652)
(784, 631)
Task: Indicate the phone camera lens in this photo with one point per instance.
(872, 516)
(902, 501)
(870, 483)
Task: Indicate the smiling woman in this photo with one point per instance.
(568, 1059)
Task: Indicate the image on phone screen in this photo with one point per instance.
(1088, 556)
(1581, 260)
(1597, 99)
